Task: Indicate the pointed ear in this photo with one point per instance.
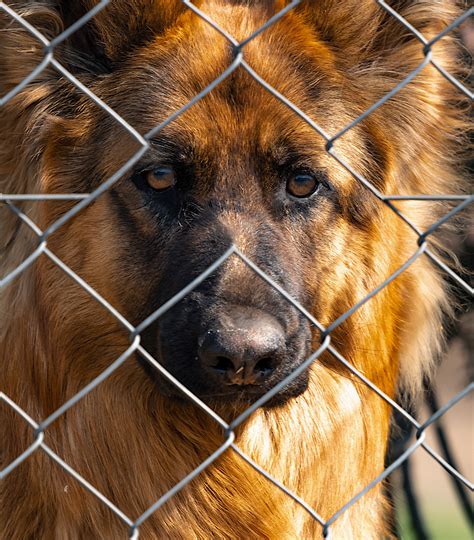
(117, 29)
(95, 47)
(44, 108)
(422, 124)
(358, 28)
(344, 25)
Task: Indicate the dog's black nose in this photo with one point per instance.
(244, 346)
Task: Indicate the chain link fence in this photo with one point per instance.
(39, 427)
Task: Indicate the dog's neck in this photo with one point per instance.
(144, 444)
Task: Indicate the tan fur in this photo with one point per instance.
(134, 444)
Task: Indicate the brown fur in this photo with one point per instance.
(128, 440)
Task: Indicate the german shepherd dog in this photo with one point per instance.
(238, 167)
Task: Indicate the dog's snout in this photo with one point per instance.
(243, 346)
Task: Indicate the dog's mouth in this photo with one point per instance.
(246, 396)
(229, 393)
(235, 354)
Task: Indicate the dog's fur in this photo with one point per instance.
(128, 437)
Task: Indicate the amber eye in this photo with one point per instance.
(302, 185)
(160, 178)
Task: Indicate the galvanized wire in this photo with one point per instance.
(420, 249)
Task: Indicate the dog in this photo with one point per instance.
(238, 167)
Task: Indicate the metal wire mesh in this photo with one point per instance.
(40, 427)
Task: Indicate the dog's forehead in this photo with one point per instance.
(239, 19)
(172, 70)
(239, 120)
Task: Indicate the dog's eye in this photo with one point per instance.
(302, 185)
(160, 178)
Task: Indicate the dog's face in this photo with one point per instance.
(238, 167)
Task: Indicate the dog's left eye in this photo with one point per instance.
(302, 185)
(160, 178)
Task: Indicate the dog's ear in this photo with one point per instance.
(376, 52)
(358, 28)
(97, 46)
(116, 30)
(46, 104)
(343, 25)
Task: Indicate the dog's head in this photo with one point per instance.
(238, 167)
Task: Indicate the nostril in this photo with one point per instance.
(264, 366)
(223, 364)
(243, 347)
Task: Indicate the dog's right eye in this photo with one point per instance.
(160, 179)
(302, 186)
